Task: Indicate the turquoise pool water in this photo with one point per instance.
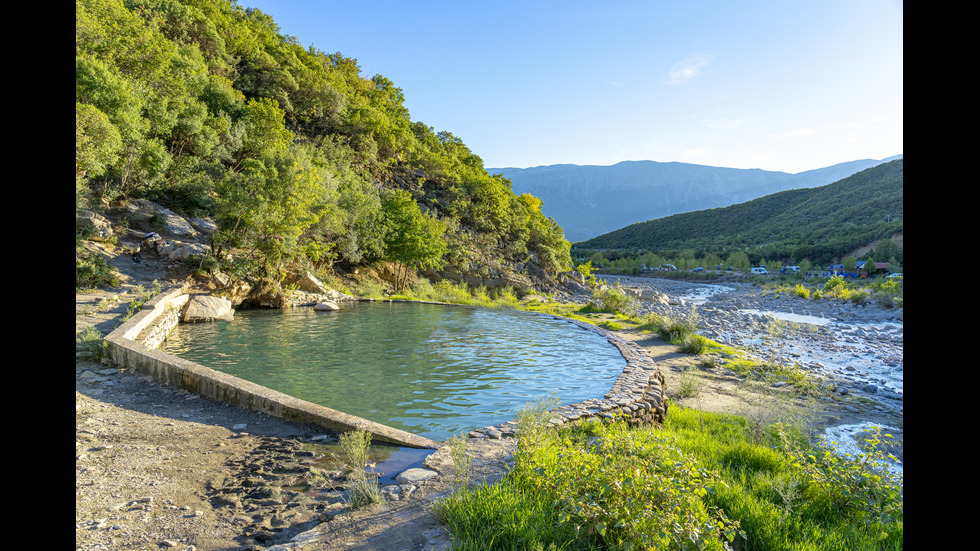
(432, 370)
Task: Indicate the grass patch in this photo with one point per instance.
(460, 293)
(92, 346)
(93, 271)
(362, 488)
(702, 481)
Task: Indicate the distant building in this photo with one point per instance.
(875, 269)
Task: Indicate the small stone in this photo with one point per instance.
(415, 475)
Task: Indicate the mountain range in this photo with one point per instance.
(590, 200)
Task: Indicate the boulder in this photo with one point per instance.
(236, 291)
(101, 226)
(326, 306)
(576, 275)
(172, 222)
(203, 225)
(307, 282)
(575, 287)
(183, 251)
(415, 475)
(207, 308)
(265, 293)
(654, 296)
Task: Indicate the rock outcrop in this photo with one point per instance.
(98, 225)
(207, 308)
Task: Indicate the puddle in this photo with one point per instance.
(387, 461)
(787, 316)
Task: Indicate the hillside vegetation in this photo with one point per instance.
(206, 107)
(818, 224)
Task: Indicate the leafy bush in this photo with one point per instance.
(888, 292)
(595, 486)
(586, 270)
(93, 346)
(860, 296)
(861, 487)
(93, 271)
(802, 291)
(674, 330)
(695, 344)
(611, 301)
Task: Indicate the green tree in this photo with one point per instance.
(265, 132)
(413, 239)
(97, 141)
(270, 203)
(739, 261)
(805, 266)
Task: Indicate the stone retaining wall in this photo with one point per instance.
(638, 393)
(134, 346)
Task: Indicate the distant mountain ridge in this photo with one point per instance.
(591, 200)
(821, 223)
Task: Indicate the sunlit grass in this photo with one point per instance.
(702, 481)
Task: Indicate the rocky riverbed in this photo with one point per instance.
(856, 350)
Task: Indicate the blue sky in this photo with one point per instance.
(787, 85)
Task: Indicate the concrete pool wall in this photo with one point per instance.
(638, 393)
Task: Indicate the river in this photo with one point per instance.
(859, 350)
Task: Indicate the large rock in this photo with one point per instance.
(237, 291)
(265, 293)
(307, 282)
(96, 223)
(415, 475)
(183, 251)
(204, 225)
(207, 308)
(172, 223)
(576, 275)
(654, 296)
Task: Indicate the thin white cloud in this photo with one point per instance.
(689, 67)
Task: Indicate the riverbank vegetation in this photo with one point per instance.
(702, 481)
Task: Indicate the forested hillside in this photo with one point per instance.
(818, 224)
(208, 108)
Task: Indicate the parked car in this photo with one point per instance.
(760, 271)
